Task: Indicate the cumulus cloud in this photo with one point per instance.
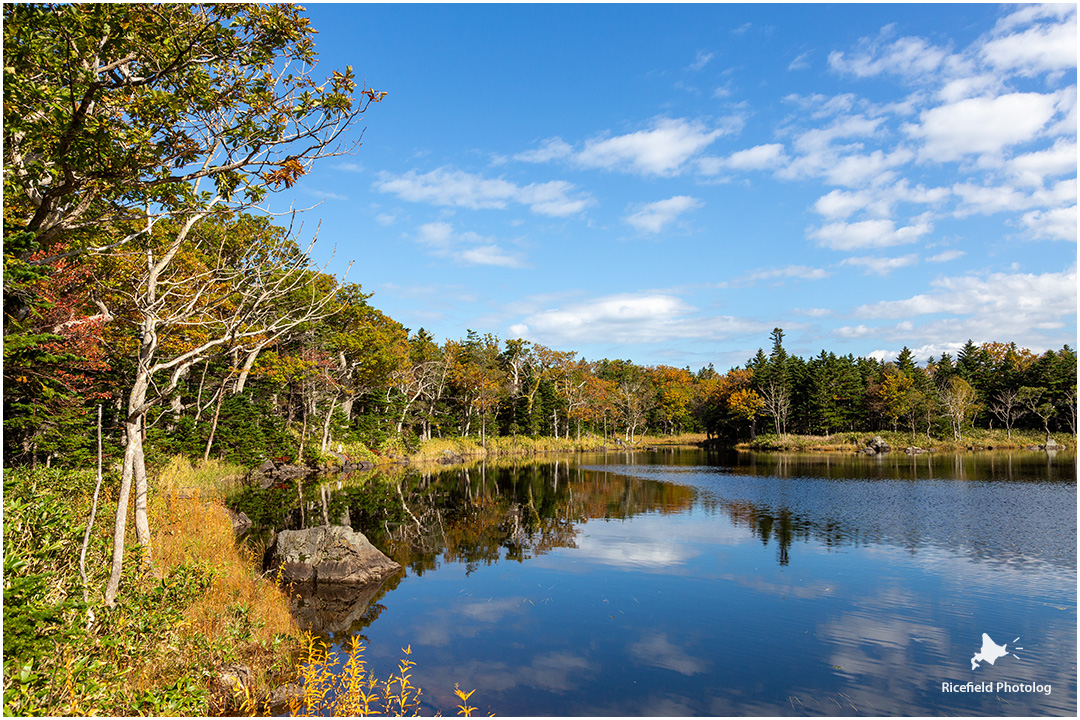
(628, 319)
(868, 234)
(1056, 224)
(662, 150)
(982, 125)
(759, 157)
(878, 201)
(457, 188)
(654, 217)
(1035, 168)
(1029, 309)
(467, 248)
(908, 56)
(1041, 48)
(1012, 298)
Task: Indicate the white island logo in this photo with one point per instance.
(990, 651)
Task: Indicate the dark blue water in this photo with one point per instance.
(683, 583)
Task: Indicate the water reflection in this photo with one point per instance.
(691, 584)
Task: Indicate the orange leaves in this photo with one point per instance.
(287, 173)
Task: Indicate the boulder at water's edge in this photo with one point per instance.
(329, 554)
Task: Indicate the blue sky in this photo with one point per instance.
(667, 184)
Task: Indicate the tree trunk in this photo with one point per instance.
(326, 424)
(217, 414)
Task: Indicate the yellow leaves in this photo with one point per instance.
(745, 403)
(465, 710)
(373, 95)
(352, 691)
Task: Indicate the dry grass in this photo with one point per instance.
(191, 530)
(239, 609)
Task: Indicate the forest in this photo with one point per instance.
(154, 309)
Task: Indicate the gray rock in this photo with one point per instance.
(878, 445)
(241, 523)
(329, 554)
(914, 450)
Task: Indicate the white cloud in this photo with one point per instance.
(868, 233)
(1056, 224)
(802, 62)
(556, 198)
(701, 60)
(946, 256)
(468, 248)
(653, 217)
(990, 199)
(662, 150)
(628, 319)
(880, 265)
(1010, 298)
(982, 125)
(907, 56)
(1038, 49)
(1035, 167)
(461, 189)
(489, 255)
(759, 157)
(877, 201)
(802, 272)
(551, 149)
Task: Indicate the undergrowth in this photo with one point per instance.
(199, 606)
(343, 686)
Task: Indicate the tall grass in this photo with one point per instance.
(197, 607)
(506, 445)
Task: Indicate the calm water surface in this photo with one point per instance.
(691, 583)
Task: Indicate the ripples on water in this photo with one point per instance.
(681, 583)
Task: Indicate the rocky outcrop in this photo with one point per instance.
(915, 450)
(333, 554)
(876, 446)
(272, 472)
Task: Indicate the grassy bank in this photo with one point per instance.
(978, 439)
(200, 606)
(510, 445)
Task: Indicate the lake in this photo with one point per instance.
(680, 582)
